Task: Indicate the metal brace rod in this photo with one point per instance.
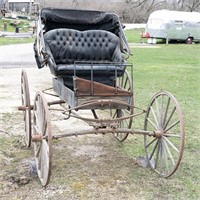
(55, 102)
(103, 131)
(73, 114)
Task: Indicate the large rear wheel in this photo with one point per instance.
(164, 151)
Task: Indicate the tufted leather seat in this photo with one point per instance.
(67, 46)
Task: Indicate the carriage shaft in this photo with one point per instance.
(103, 131)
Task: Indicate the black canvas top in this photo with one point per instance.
(53, 18)
(81, 20)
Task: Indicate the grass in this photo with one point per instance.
(175, 68)
(11, 24)
(7, 41)
(134, 35)
(23, 26)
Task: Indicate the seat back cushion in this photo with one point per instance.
(69, 45)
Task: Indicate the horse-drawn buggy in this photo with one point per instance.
(86, 52)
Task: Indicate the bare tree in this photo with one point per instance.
(193, 5)
(139, 10)
(184, 5)
(131, 11)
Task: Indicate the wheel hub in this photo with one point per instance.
(158, 133)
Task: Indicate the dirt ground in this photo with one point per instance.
(84, 167)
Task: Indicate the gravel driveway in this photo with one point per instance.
(17, 55)
(85, 167)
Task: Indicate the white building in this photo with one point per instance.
(20, 5)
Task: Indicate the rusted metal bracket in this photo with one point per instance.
(23, 108)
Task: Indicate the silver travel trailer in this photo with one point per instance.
(173, 25)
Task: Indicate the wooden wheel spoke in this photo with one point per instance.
(154, 115)
(154, 149)
(45, 158)
(172, 113)
(121, 81)
(169, 153)
(158, 113)
(36, 129)
(40, 157)
(171, 126)
(26, 119)
(23, 98)
(38, 149)
(41, 111)
(126, 123)
(22, 87)
(166, 111)
(154, 126)
(161, 156)
(114, 115)
(125, 83)
(165, 157)
(157, 154)
(40, 115)
(162, 107)
(172, 135)
(44, 127)
(36, 113)
(151, 142)
(171, 144)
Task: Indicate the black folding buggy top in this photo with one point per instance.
(86, 52)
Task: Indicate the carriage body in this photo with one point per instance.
(86, 52)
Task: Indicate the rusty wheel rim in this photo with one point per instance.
(25, 96)
(164, 151)
(125, 83)
(121, 123)
(43, 146)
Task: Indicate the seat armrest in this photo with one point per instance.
(50, 61)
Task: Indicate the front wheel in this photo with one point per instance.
(42, 138)
(25, 96)
(164, 150)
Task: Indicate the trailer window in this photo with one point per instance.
(178, 22)
(156, 21)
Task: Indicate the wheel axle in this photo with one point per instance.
(24, 108)
(37, 138)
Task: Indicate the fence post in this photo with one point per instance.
(17, 30)
(167, 39)
(5, 26)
